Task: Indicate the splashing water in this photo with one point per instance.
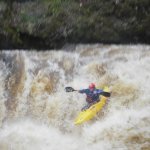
(37, 114)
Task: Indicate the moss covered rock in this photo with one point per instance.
(50, 24)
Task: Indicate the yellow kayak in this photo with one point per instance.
(89, 113)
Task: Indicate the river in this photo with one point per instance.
(37, 114)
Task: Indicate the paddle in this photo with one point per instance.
(70, 89)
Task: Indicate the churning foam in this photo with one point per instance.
(37, 114)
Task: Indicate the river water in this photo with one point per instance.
(37, 114)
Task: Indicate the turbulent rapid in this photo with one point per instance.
(37, 114)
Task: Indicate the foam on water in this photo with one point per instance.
(36, 112)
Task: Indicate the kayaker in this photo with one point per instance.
(92, 95)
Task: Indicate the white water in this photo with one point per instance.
(37, 114)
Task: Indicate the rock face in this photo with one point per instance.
(45, 24)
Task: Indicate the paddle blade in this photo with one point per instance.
(69, 89)
(106, 94)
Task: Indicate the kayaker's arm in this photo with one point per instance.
(98, 91)
(82, 91)
(101, 92)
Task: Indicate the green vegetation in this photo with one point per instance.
(55, 22)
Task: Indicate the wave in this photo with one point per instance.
(37, 113)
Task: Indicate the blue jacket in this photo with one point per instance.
(92, 96)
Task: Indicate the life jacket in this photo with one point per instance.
(91, 96)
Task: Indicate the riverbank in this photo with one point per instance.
(43, 24)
